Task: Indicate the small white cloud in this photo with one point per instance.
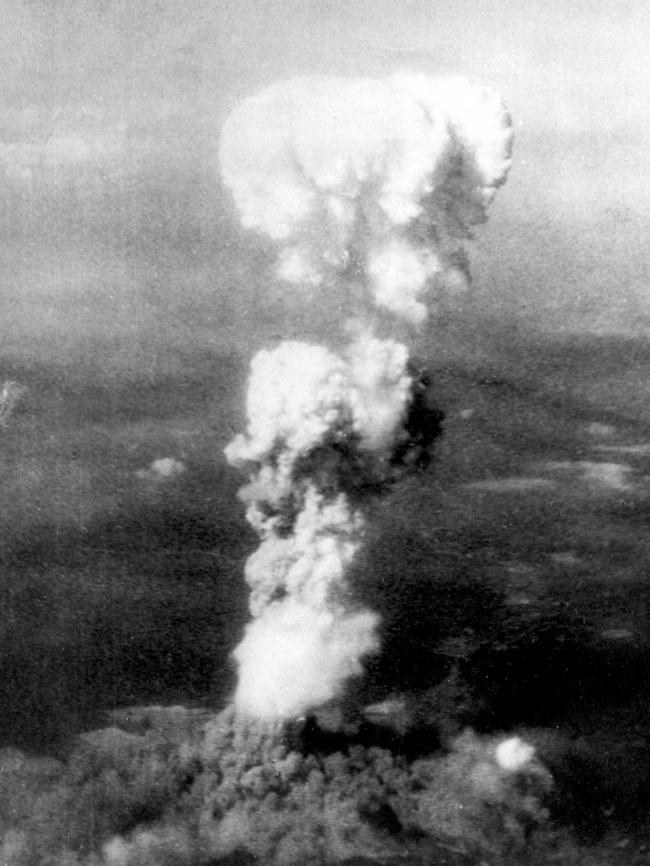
(510, 485)
(642, 449)
(514, 754)
(565, 557)
(612, 476)
(162, 469)
(600, 430)
(11, 394)
(617, 634)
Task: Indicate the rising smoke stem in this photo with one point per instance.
(361, 183)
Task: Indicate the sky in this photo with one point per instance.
(120, 242)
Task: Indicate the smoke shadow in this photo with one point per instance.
(535, 599)
(528, 637)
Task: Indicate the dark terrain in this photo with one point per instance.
(519, 557)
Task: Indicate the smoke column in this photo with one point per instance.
(372, 186)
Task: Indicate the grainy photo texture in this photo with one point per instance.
(324, 433)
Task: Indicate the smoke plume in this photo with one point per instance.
(373, 187)
(378, 181)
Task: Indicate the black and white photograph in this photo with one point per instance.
(325, 433)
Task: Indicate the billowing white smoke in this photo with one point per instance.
(381, 180)
(317, 424)
(374, 185)
(299, 392)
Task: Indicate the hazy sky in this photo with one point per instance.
(111, 111)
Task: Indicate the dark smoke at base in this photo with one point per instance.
(173, 786)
